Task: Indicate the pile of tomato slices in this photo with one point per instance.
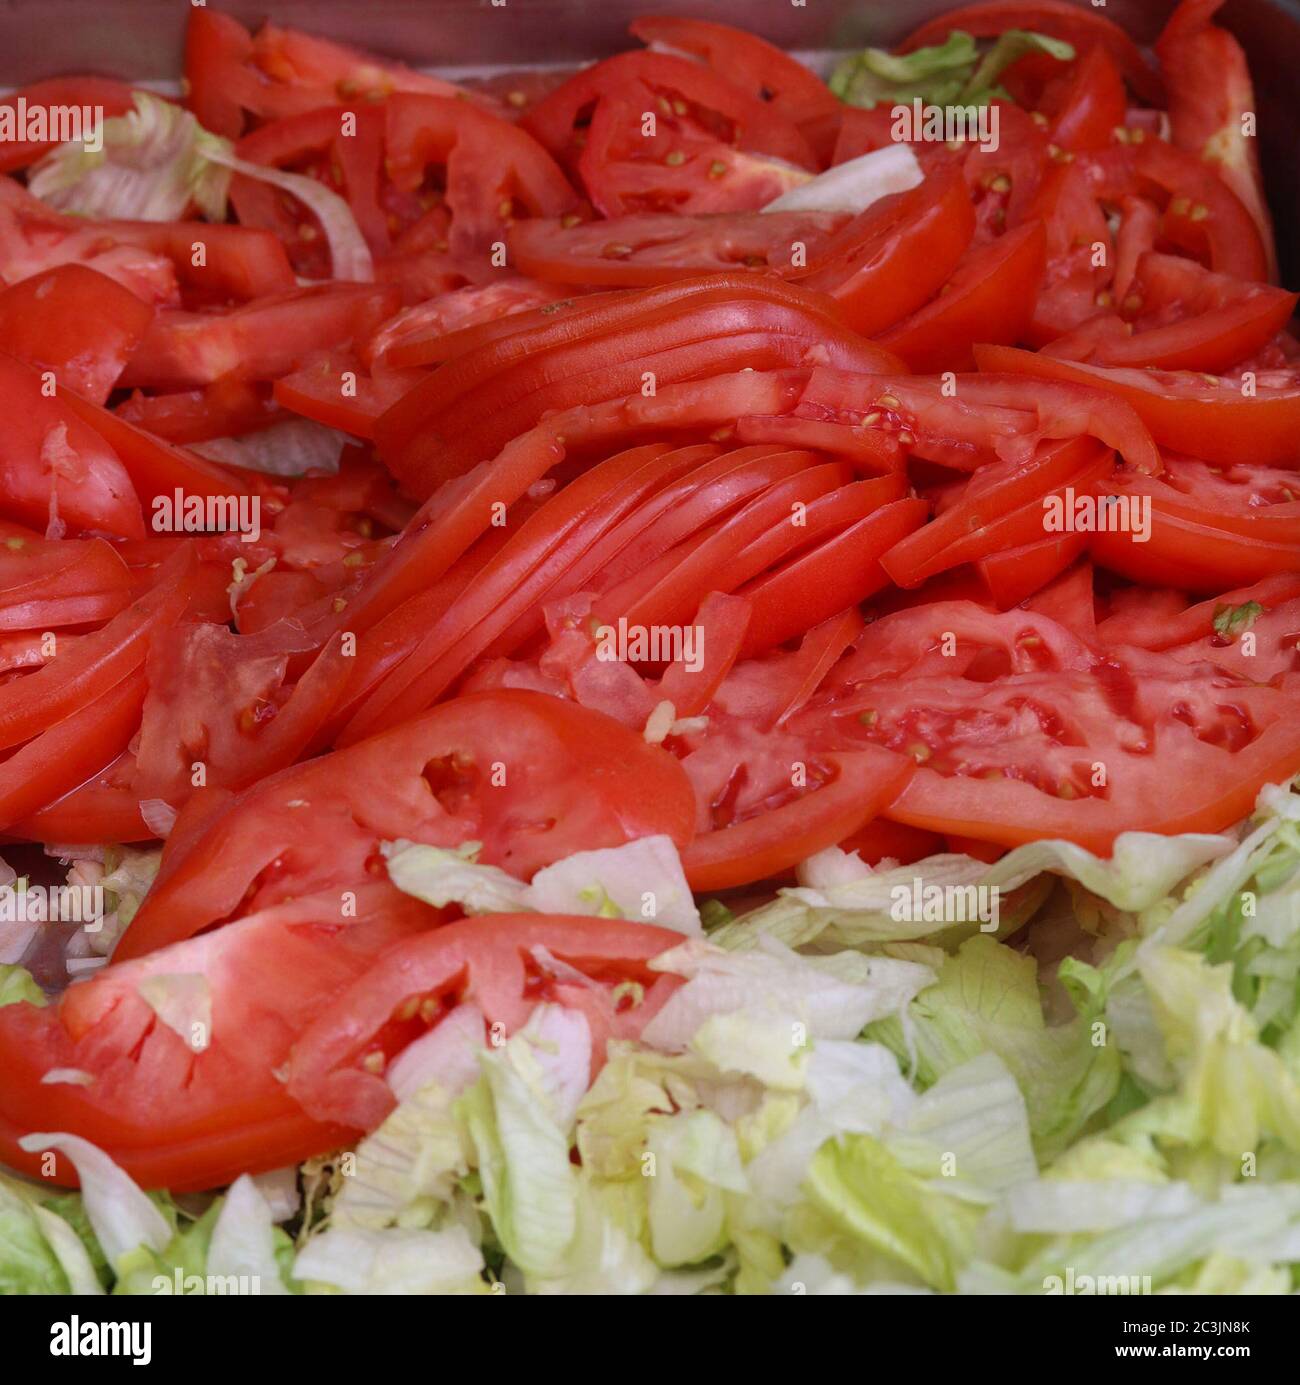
(957, 520)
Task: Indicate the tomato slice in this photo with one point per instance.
(494, 172)
(1217, 320)
(859, 785)
(181, 1117)
(759, 68)
(1196, 414)
(1093, 104)
(56, 470)
(504, 965)
(1021, 731)
(1001, 511)
(531, 777)
(76, 323)
(110, 97)
(227, 408)
(344, 149)
(94, 661)
(259, 340)
(658, 247)
(841, 572)
(893, 257)
(989, 298)
(1210, 92)
(432, 332)
(1017, 573)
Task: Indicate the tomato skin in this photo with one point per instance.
(887, 262)
(488, 959)
(1181, 411)
(186, 1120)
(760, 847)
(989, 298)
(593, 781)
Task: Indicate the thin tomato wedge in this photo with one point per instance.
(504, 965)
(194, 1110)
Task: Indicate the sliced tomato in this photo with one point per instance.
(1210, 95)
(531, 777)
(505, 965)
(75, 323)
(1197, 414)
(989, 298)
(892, 258)
(1021, 731)
(842, 571)
(343, 149)
(1017, 573)
(217, 51)
(196, 1109)
(56, 470)
(227, 408)
(1189, 319)
(857, 786)
(1092, 105)
(99, 94)
(218, 711)
(759, 68)
(465, 412)
(431, 332)
(48, 585)
(93, 662)
(494, 172)
(658, 247)
(999, 511)
(259, 340)
(657, 132)
(334, 388)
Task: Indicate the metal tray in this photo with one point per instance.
(141, 40)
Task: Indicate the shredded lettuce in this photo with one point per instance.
(950, 73)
